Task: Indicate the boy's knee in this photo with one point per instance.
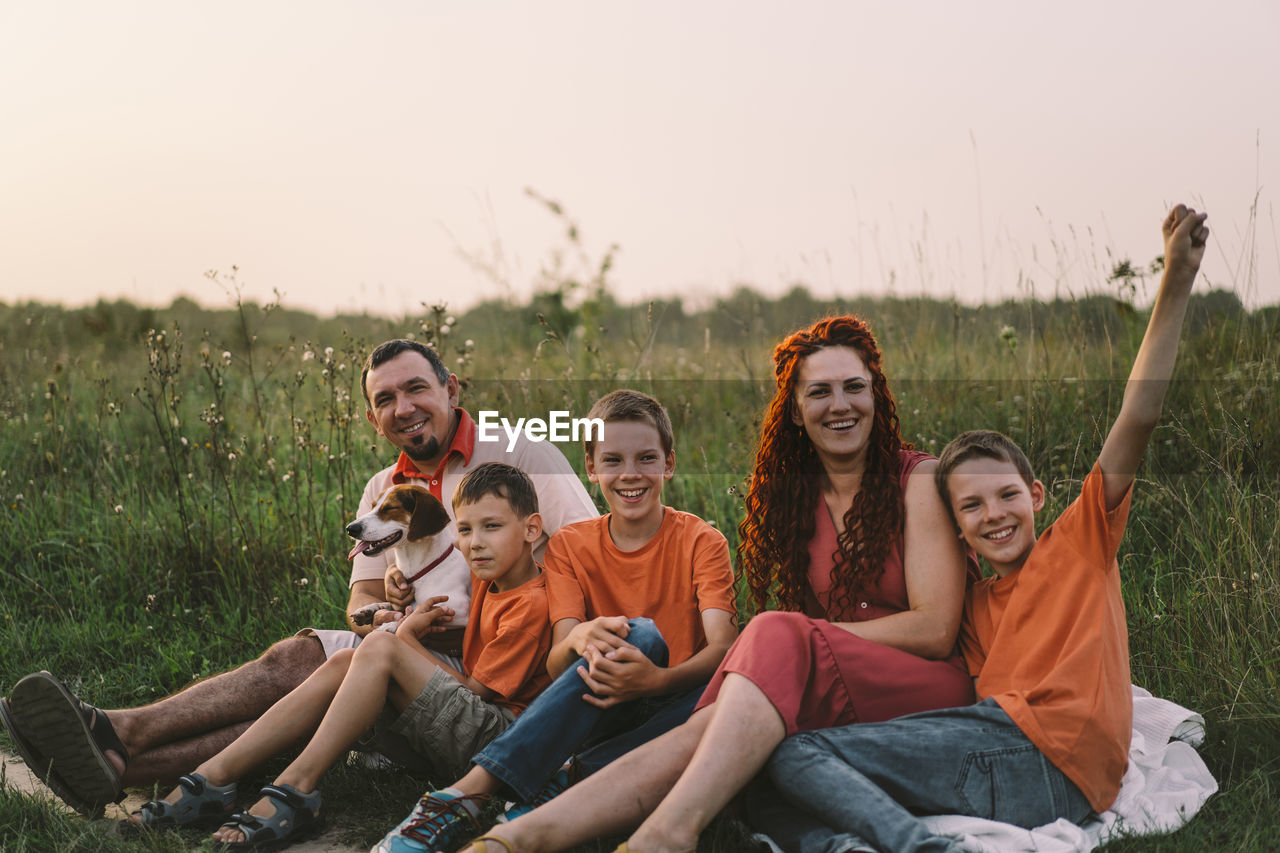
(645, 636)
(341, 659)
(376, 644)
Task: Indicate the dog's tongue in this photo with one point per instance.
(360, 546)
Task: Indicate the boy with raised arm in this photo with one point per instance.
(1045, 640)
(642, 611)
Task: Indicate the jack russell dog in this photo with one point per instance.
(411, 520)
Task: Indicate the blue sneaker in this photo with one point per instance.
(555, 786)
(439, 821)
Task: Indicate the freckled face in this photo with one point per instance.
(410, 408)
(995, 510)
(834, 403)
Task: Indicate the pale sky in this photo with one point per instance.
(351, 154)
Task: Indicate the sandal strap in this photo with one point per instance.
(101, 730)
(286, 794)
(193, 782)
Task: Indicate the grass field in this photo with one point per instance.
(175, 484)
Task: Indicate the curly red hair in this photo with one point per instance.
(781, 502)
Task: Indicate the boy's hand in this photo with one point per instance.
(398, 590)
(619, 676)
(428, 618)
(602, 634)
(1184, 239)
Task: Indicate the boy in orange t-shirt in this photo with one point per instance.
(445, 715)
(1045, 640)
(642, 610)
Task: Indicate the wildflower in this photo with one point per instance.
(231, 457)
(1009, 335)
(119, 508)
(286, 478)
(469, 343)
(303, 581)
(337, 499)
(328, 352)
(226, 357)
(308, 355)
(444, 329)
(151, 600)
(184, 441)
(450, 319)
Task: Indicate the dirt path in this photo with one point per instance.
(17, 775)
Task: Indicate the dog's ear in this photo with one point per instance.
(429, 516)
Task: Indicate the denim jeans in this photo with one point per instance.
(865, 784)
(559, 723)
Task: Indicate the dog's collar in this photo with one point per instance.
(437, 561)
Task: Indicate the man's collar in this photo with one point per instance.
(463, 444)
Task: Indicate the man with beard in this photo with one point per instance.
(412, 403)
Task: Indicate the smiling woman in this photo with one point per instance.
(846, 531)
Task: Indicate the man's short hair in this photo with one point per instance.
(979, 444)
(388, 350)
(627, 405)
(500, 479)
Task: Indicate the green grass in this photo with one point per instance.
(175, 484)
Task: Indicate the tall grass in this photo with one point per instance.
(175, 482)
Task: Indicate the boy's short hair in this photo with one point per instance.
(979, 444)
(500, 479)
(627, 405)
(388, 350)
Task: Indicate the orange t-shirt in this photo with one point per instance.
(683, 570)
(1049, 642)
(506, 645)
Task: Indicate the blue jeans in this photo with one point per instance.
(559, 723)
(865, 784)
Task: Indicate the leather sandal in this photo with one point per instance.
(43, 767)
(72, 738)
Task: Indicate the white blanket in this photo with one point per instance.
(1164, 787)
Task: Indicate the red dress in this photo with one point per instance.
(818, 675)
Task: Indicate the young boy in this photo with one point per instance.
(620, 681)
(1045, 640)
(444, 714)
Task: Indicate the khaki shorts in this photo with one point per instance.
(447, 724)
